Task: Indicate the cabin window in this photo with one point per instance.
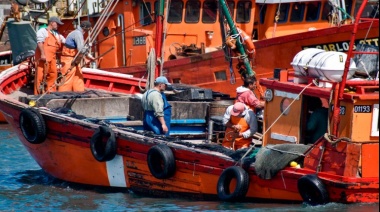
(145, 15)
(177, 80)
(284, 105)
(263, 10)
(326, 12)
(243, 12)
(175, 11)
(313, 10)
(375, 120)
(209, 11)
(193, 11)
(298, 11)
(220, 75)
(283, 13)
(370, 10)
(231, 7)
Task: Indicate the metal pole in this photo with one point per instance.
(234, 31)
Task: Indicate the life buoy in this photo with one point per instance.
(102, 149)
(242, 184)
(247, 41)
(161, 161)
(312, 190)
(32, 125)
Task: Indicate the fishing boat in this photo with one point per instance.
(96, 137)
(195, 55)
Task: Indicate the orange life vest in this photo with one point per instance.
(236, 143)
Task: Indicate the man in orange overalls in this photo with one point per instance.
(241, 124)
(49, 41)
(73, 80)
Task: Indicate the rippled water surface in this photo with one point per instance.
(25, 187)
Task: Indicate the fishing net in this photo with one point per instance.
(272, 158)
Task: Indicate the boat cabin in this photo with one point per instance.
(288, 110)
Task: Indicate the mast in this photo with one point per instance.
(239, 45)
(159, 37)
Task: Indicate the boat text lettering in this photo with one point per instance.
(344, 45)
(362, 109)
(139, 40)
(342, 110)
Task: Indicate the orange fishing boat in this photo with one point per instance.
(95, 137)
(193, 55)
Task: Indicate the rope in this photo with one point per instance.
(377, 11)
(151, 65)
(270, 127)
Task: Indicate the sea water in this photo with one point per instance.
(24, 186)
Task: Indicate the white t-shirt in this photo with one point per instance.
(42, 34)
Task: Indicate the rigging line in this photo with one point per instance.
(275, 121)
(64, 31)
(377, 11)
(147, 9)
(100, 23)
(276, 19)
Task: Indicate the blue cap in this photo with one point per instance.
(162, 80)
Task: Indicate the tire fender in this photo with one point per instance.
(242, 184)
(103, 150)
(32, 126)
(312, 190)
(161, 161)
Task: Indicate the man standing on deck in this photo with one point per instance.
(73, 80)
(241, 125)
(245, 94)
(49, 41)
(157, 110)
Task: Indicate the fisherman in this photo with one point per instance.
(157, 110)
(246, 95)
(49, 42)
(71, 70)
(241, 125)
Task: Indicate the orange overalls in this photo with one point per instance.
(237, 143)
(51, 45)
(74, 78)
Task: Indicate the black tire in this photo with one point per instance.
(242, 184)
(103, 151)
(161, 161)
(312, 190)
(32, 126)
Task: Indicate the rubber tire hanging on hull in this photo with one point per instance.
(32, 126)
(312, 190)
(242, 184)
(103, 150)
(161, 161)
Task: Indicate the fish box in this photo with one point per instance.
(193, 94)
(330, 66)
